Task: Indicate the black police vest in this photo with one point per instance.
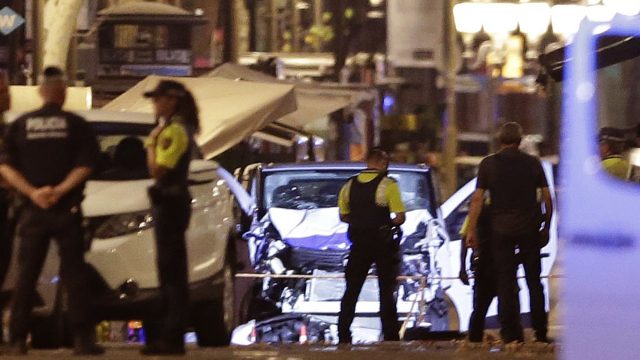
(364, 213)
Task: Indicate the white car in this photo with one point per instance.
(120, 241)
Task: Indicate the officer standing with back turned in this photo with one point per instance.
(48, 155)
(366, 203)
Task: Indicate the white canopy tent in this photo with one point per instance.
(229, 110)
(315, 100)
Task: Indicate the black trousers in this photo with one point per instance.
(506, 262)
(172, 215)
(36, 228)
(369, 247)
(485, 288)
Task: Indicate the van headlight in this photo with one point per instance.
(124, 224)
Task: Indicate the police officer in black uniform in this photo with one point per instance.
(170, 147)
(48, 155)
(366, 203)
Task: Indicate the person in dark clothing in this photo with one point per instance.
(485, 286)
(6, 233)
(169, 150)
(48, 155)
(366, 203)
(513, 179)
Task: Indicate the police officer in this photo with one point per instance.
(169, 149)
(366, 203)
(48, 156)
(611, 148)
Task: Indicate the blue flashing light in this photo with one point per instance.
(388, 103)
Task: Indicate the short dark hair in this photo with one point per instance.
(52, 71)
(52, 74)
(377, 154)
(510, 133)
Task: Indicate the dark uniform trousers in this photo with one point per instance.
(485, 288)
(368, 247)
(504, 254)
(36, 228)
(172, 215)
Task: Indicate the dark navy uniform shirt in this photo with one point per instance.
(46, 144)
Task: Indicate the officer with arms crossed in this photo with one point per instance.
(169, 150)
(48, 155)
(366, 203)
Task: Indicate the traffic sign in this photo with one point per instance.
(9, 20)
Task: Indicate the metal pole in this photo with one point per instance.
(451, 130)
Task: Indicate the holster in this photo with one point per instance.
(159, 194)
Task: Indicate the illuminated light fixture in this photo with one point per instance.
(302, 5)
(499, 18)
(534, 18)
(468, 17)
(566, 19)
(468, 20)
(375, 3)
(624, 7)
(375, 14)
(600, 29)
(600, 13)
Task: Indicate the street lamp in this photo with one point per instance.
(565, 19)
(468, 19)
(534, 21)
(624, 7)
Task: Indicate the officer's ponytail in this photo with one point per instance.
(188, 110)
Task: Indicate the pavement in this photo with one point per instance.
(437, 350)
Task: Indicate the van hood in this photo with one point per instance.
(321, 229)
(115, 197)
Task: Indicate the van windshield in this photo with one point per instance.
(311, 189)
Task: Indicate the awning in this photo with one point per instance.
(27, 98)
(229, 110)
(314, 100)
(610, 50)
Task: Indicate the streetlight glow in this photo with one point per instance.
(468, 17)
(565, 19)
(624, 7)
(600, 13)
(534, 18)
(499, 18)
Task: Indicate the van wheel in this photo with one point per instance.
(53, 331)
(213, 319)
(442, 315)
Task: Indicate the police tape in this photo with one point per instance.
(401, 277)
